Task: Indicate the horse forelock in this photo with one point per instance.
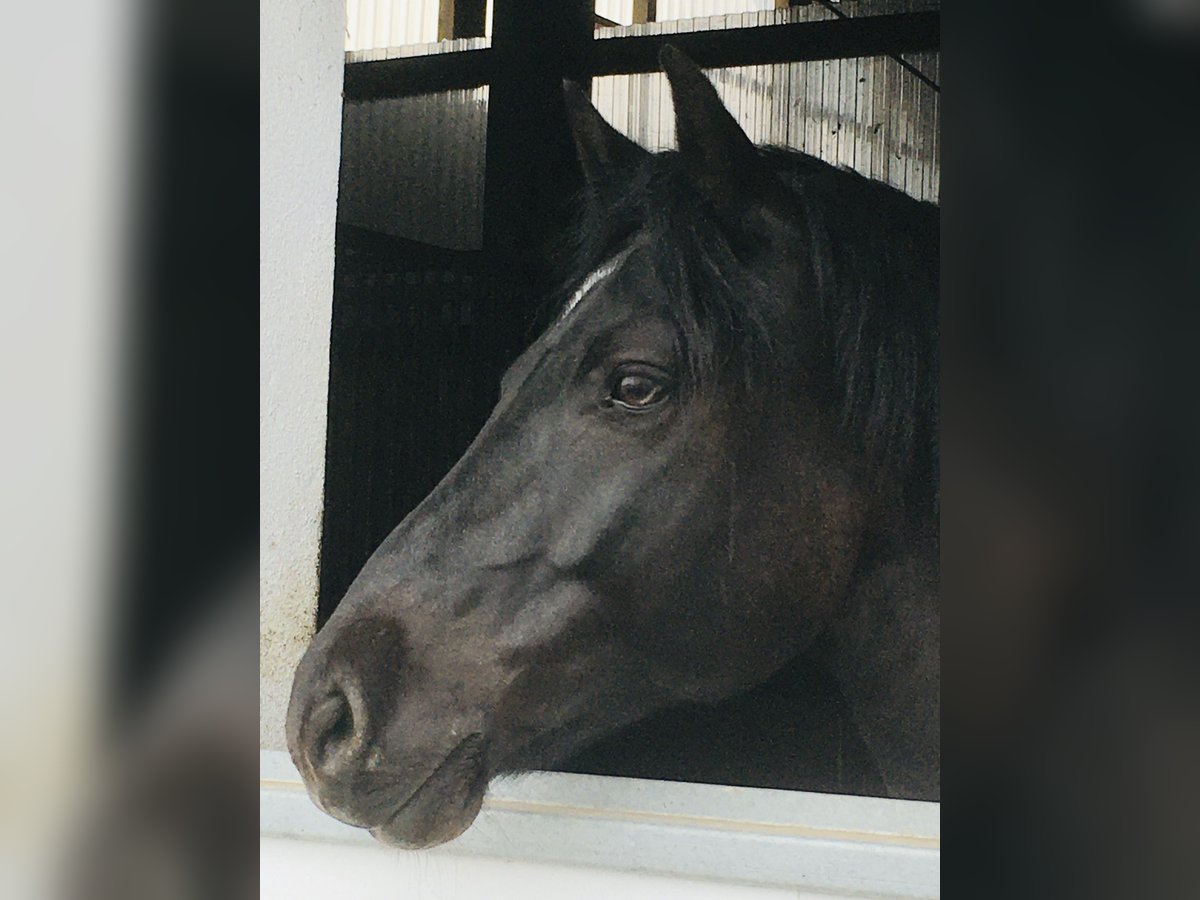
(871, 260)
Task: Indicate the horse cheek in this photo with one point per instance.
(799, 525)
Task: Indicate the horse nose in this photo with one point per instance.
(344, 689)
(334, 732)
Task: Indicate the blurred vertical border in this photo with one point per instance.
(1071, 281)
(129, 322)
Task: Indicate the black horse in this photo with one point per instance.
(719, 460)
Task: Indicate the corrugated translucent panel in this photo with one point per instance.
(615, 10)
(691, 9)
(708, 15)
(376, 24)
(379, 24)
(413, 167)
(403, 50)
(870, 114)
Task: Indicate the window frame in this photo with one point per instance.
(841, 845)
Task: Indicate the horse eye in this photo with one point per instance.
(638, 390)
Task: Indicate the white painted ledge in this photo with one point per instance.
(818, 843)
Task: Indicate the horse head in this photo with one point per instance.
(666, 504)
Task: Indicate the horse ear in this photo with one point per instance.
(604, 153)
(723, 160)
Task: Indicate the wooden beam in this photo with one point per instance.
(644, 11)
(445, 20)
(795, 42)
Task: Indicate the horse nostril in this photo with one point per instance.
(343, 693)
(336, 730)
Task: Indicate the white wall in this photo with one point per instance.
(300, 93)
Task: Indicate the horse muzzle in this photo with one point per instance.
(413, 778)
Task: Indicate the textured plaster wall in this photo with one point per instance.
(300, 92)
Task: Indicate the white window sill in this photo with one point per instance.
(820, 843)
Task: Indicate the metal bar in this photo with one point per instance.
(531, 165)
(412, 75)
(470, 17)
(765, 44)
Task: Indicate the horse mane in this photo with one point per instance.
(866, 329)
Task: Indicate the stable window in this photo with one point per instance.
(443, 227)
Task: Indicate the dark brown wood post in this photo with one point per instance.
(644, 11)
(531, 169)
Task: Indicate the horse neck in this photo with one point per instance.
(885, 656)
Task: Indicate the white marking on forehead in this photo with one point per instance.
(593, 279)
